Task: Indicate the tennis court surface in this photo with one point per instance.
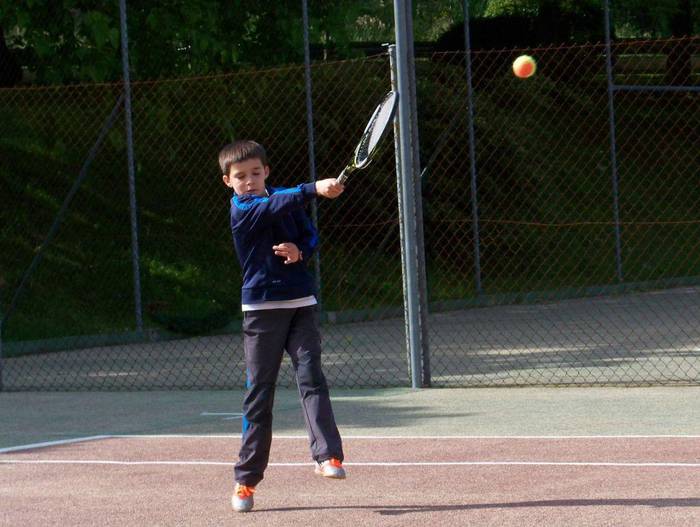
(613, 456)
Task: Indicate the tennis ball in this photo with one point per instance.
(524, 66)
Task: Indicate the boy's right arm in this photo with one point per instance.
(252, 212)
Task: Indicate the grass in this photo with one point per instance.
(545, 202)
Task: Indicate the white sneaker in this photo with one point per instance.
(331, 468)
(242, 500)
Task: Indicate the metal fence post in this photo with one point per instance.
(420, 235)
(311, 141)
(613, 143)
(472, 152)
(2, 385)
(411, 293)
(391, 50)
(135, 258)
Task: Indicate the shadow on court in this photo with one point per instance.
(398, 510)
(41, 417)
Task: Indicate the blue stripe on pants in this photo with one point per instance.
(245, 423)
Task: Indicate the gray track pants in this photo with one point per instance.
(267, 334)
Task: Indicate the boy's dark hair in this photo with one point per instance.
(241, 151)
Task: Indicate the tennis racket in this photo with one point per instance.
(375, 130)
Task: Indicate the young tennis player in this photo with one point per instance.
(274, 240)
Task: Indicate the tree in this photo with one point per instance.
(79, 40)
(662, 18)
(679, 62)
(10, 72)
(63, 40)
(528, 23)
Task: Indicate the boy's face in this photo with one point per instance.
(247, 177)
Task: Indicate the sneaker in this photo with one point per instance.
(242, 500)
(331, 468)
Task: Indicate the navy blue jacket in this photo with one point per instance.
(258, 223)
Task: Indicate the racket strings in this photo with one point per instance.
(363, 150)
(378, 125)
(373, 133)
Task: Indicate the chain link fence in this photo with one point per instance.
(572, 271)
(566, 254)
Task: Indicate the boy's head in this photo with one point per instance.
(244, 166)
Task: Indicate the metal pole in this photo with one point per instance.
(135, 258)
(613, 142)
(2, 386)
(391, 49)
(472, 152)
(311, 141)
(420, 236)
(612, 88)
(411, 294)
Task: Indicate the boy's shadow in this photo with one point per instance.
(395, 510)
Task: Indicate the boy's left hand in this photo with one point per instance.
(289, 251)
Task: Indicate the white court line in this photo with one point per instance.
(230, 415)
(353, 464)
(412, 437)
(48, 444)
(53, 443)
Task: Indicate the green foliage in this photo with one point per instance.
(79, 40)
(639, 18)
(64, 40)
(537, 7)
(71, 40)
(511, 7)
(633, 18)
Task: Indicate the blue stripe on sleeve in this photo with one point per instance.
(245, 205)
(293, 190)
(250, 203)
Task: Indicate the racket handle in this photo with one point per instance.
(343, 177)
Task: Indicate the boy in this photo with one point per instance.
(274, 239)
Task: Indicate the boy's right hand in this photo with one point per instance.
(329, 188)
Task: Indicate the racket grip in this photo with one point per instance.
(343, 177)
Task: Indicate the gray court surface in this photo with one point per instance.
(633, 339)
(30, 418)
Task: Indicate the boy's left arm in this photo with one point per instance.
(308, 241)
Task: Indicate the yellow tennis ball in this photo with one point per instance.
(524, 66)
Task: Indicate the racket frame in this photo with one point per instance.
(356, 164)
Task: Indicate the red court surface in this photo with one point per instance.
(187, 480)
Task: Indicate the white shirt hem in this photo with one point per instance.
(281, 304)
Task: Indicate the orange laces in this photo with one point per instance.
(244, 491)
